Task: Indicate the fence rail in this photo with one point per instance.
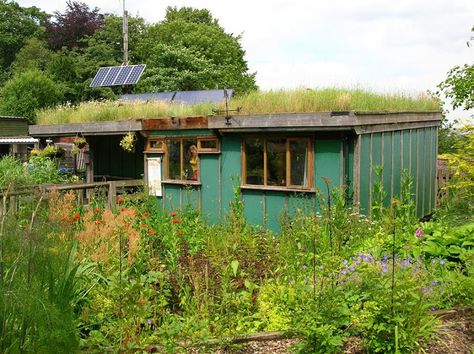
(10, 198)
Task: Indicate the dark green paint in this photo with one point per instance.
(230, 169)
(275, 209)
(13, 127)
(209, 169)
(365, 170)
(253, 206)
(327, 164)
(387, 166)
(172, 197)
(397, 162)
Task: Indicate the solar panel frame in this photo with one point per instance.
(118, 75)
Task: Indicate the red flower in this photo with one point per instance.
(97, 210)
(151, 232)
(123, 209)
(98, 221)
(180, 233)
(175, 221)
(145, 214)
(69, 220)
(120, 200)
(173, 213)
(77, 216)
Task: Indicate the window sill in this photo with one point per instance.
(181, 182)
(278, 189)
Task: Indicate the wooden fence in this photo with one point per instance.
(10, 199)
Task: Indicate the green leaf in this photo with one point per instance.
(235, 266)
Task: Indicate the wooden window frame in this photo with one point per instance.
(288, 186)
(202, 150)
(167, 178)
(161, 149)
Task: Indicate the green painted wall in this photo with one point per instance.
(13, 127)
(230, 169)
(327, 165)
(414, 150)
(210, 194)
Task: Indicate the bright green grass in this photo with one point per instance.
(317, 100)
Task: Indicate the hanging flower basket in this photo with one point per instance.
(80, 142)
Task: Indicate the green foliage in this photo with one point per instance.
(458, 86)
(17, 25)
(33, 55)
(197, 43)
(28, 92)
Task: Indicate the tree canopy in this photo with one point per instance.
(61, 53)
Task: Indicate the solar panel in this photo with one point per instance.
(118, 75)
(183, 97)
(99, 77)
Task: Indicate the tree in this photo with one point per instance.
(68, 28)
(17, 25)
(27, 92)
(459, 85)
(33, 55)
(198, 33)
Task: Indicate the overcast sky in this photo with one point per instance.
(386, 45)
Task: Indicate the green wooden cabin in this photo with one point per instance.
(276, 163)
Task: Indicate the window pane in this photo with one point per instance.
(254, 161)
(174, 153)
(156, 144)
(276, 162)
(191, 161)
(209, 144)
(298, 155)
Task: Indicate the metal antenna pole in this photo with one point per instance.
(125, 36)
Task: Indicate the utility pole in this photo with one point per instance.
(125, 35)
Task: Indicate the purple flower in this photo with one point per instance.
(344, 272)
(442, 262)
(419, 233)
(433, 308)
(384, 267)
(345, 262)
(149, 322)
(352, 268)
(436, 281)
(425, 291)
(385, 258)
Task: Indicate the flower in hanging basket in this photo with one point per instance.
(128, 142)
(80, 142)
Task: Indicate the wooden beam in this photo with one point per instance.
(96, 128)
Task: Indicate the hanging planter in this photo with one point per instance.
(128, 142)
(80, 142)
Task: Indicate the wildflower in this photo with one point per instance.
(98, 221)
(304, 266)
(120, 200)
(173, 213)
(180, 233)
(145, 214)
(97, 210)
(433, 308)
(175, 221)
(385, 257)
(69, 220)
(151, 232)
(442, 262)
(345, 262)
(433, 283)
(77, 216)
(344, 272)
(123, 209)
(149, 322)
(419, 233)
(384, 267)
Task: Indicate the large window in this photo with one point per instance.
(181, 154)
(277, 162)
(182, 159)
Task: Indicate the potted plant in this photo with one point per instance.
(80, 142)
(128, 142)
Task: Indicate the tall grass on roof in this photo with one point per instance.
(258, 102)
(99, 111)
(331, 99)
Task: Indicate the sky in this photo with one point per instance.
(384, 45)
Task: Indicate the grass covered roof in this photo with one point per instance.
(258, 102)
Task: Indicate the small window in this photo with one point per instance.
(208, 145)
(155, 144)
(277, 162)
(182, 161)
